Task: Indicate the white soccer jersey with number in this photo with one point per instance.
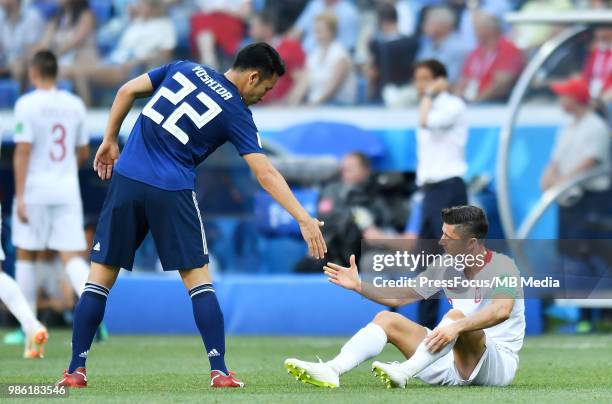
(508, 333)
(53, 121)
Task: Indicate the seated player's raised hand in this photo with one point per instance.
(347, 277)
(311, 232)
(107, 154)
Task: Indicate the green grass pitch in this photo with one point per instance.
(165, 369)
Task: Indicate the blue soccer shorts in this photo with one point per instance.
(132, 208)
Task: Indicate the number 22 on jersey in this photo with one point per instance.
(187, 87)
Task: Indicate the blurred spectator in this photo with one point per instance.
(391, 54)
(20, 29)
(441, 42)
(492, 68)
(286, 12)
(109, 33)
(347, 23)
(71, 34)
(406, 13)
(180, 12)
(580, 146)
(148, 41)
(467, 10)
(330, 77)
(263, 29)
(348, 207)
(218, 29)
(597, 71)
(528, 37)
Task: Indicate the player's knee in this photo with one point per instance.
(455, 314)
(387, 320)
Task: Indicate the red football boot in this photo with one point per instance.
(220, 379)
(76, 379)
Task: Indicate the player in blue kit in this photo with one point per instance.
(193, 110)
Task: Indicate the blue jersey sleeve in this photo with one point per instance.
(244, 136)
(158, 75)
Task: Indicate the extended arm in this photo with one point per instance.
(274, 184)
(348, 278)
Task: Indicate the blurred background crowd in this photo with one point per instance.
(338, 52)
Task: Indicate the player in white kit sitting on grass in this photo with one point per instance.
(477, 341)
(50, 143)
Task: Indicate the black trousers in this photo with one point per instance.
(437, 196)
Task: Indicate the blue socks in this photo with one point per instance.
(209, 319)
(88, 315)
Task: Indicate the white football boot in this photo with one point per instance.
(391, 374)
(318, 374)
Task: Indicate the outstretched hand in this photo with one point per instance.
(347, 277)
(104, 162)
(311, 232)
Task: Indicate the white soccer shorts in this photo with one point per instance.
(53, 227)
(496, 367)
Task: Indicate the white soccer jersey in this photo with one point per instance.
(53, 122)
(508, 333)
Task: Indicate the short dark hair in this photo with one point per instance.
(470, 220)
(435, 67)
(364, 160)
(387, 13)
(262, 57)
(45, 62)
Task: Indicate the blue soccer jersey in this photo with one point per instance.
(193, 111)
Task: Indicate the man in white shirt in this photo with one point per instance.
(50, 142)
(478, 340)
(441, 136)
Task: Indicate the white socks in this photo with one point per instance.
(11, 295)
(78, 272)
(367, 343)
(25, 276)
(423, 358)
